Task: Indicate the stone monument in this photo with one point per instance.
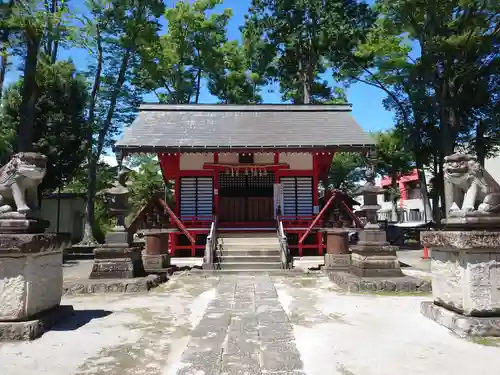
(155, 255)
(374, 265)
(117, 258)
(31, 275)
(373, 256)
(465, 256)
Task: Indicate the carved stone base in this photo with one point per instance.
(460, 324)
(35, 327)
(375, 261)
(155, 262)
(337, 261)
(353, 283)
(117, 263)
(20, 224)
(31, 274)
(466, 270)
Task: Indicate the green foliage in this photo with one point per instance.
(392, 156)
(296, 41)
(191, 50)
(146, 182)
(60, 127)
(346, 171)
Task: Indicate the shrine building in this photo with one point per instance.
(244, 167)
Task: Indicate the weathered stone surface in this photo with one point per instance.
(244, 331)
(29, 284)
(34, 328)
(155, 262)
(459, 240)
(467, 281)
(112, 262)
(337, 261)
(353, 283)
(32, 243)
(135, 285)
(460, 324)
(375, 263)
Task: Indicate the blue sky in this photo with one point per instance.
(366, 101)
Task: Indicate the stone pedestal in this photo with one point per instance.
(31, 283)
(117, 262)
(155, 254)
(373, 256)
(465, 269)
(337, 255)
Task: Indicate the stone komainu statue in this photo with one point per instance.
(19, 180)
(475, 191)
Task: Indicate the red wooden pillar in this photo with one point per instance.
(319, 241)
(216, 186)
(173, 244)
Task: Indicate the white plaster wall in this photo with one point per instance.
(229, 158)
(194, 162)
(29, 284)
(263, 157)
(297, 161)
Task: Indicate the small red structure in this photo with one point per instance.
(244, 167)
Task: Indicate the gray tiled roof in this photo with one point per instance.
(186, 127)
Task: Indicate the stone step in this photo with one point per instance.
(248, 235)
(274, 272)
(249, 244)
(251, 259)
(250, 252)
(250, 266)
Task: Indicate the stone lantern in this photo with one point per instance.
(117, 258)
(373, 256)
(117, 202)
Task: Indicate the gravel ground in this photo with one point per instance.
(326, 331)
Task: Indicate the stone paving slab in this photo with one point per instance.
(243, 331)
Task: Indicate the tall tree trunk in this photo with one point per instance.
(480, 144)
(4, 60)
(88, 236)
(4, 56)
(92, 176)
(198, 87)
(27, 114)
(394, 196)
(436, 215)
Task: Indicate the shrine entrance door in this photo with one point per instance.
(246, 198)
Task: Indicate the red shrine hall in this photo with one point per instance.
(244, 167)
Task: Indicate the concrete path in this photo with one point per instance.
(245, 331)
(248, 325)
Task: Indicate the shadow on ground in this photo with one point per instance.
(79, 318)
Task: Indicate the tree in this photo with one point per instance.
(393, 160)
(147, 181)
(117, 35)
(60, 126)
(347, 171)
(231, 81)
(190, 51)
(298, 37)
(458, 44)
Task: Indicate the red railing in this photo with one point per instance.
(316, 219)
(177, 222)
(354, 218)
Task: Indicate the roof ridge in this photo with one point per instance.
(279, 107)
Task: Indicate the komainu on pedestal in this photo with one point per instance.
(30, 261)
(465, 256)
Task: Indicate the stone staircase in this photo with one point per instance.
(249, 252)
